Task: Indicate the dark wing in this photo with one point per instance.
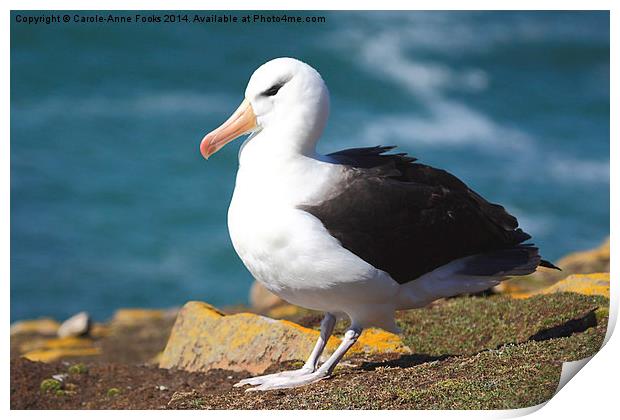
(408, 219)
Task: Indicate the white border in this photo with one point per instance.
(591, 395)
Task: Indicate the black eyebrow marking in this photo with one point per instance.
(273, 90)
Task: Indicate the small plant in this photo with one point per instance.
(113, 392)
(52, 385)
(197, 403)
(78, 368)
(186, 400)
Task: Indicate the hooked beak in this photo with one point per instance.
(241, 122)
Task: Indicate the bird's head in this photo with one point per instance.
(285, 97)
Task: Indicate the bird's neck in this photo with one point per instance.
(271, 147)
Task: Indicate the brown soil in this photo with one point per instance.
(139, 386)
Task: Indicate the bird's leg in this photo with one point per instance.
(327, 328)
(349, 339)
(326, 369)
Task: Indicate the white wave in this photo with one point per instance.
(385, 54)
(411, 50)
(448, 124)
(445, 121)
(567, 169)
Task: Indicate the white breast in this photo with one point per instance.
(289, 250)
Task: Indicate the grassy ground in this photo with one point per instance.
(468, 353)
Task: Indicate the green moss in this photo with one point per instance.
(503, 378)
(601, 313)
(512, 376)
(491, 353)
(60, 393)
(77, 369)
(113, 392)
(50, 385)
(467, 325)
(350, 398)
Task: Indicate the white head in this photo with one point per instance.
(286, 101)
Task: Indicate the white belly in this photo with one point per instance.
(292, 254)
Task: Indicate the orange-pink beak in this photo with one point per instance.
(241, 122)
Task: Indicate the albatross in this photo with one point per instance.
(359, 233)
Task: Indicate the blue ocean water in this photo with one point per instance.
(113, 206)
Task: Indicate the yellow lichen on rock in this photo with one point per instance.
(42, 350)
(582, 262)
(42, 326)
(375, 340)
(51, 355)
(203, 339)
(590, 261)
(132, 316)
(99, 330)
(284, 311)
(585, 284)
(56, 343)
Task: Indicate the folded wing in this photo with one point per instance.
(407, 218)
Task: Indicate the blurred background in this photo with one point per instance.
(113, 206)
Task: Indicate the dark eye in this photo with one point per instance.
(273, 90)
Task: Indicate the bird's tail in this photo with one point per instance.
(519, 260)
(545, 263)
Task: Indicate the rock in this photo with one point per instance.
(54, 343)
(585, 284)
(137, 335)
(134, 316)
(582, 262)
(42, 326)
(99, 330)
(586, 262)
(286, 311)
(79, 324)
(60, 377)
(262, 299)
(50, 355)
(133, 336)
(203, 338)
(49, 350)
